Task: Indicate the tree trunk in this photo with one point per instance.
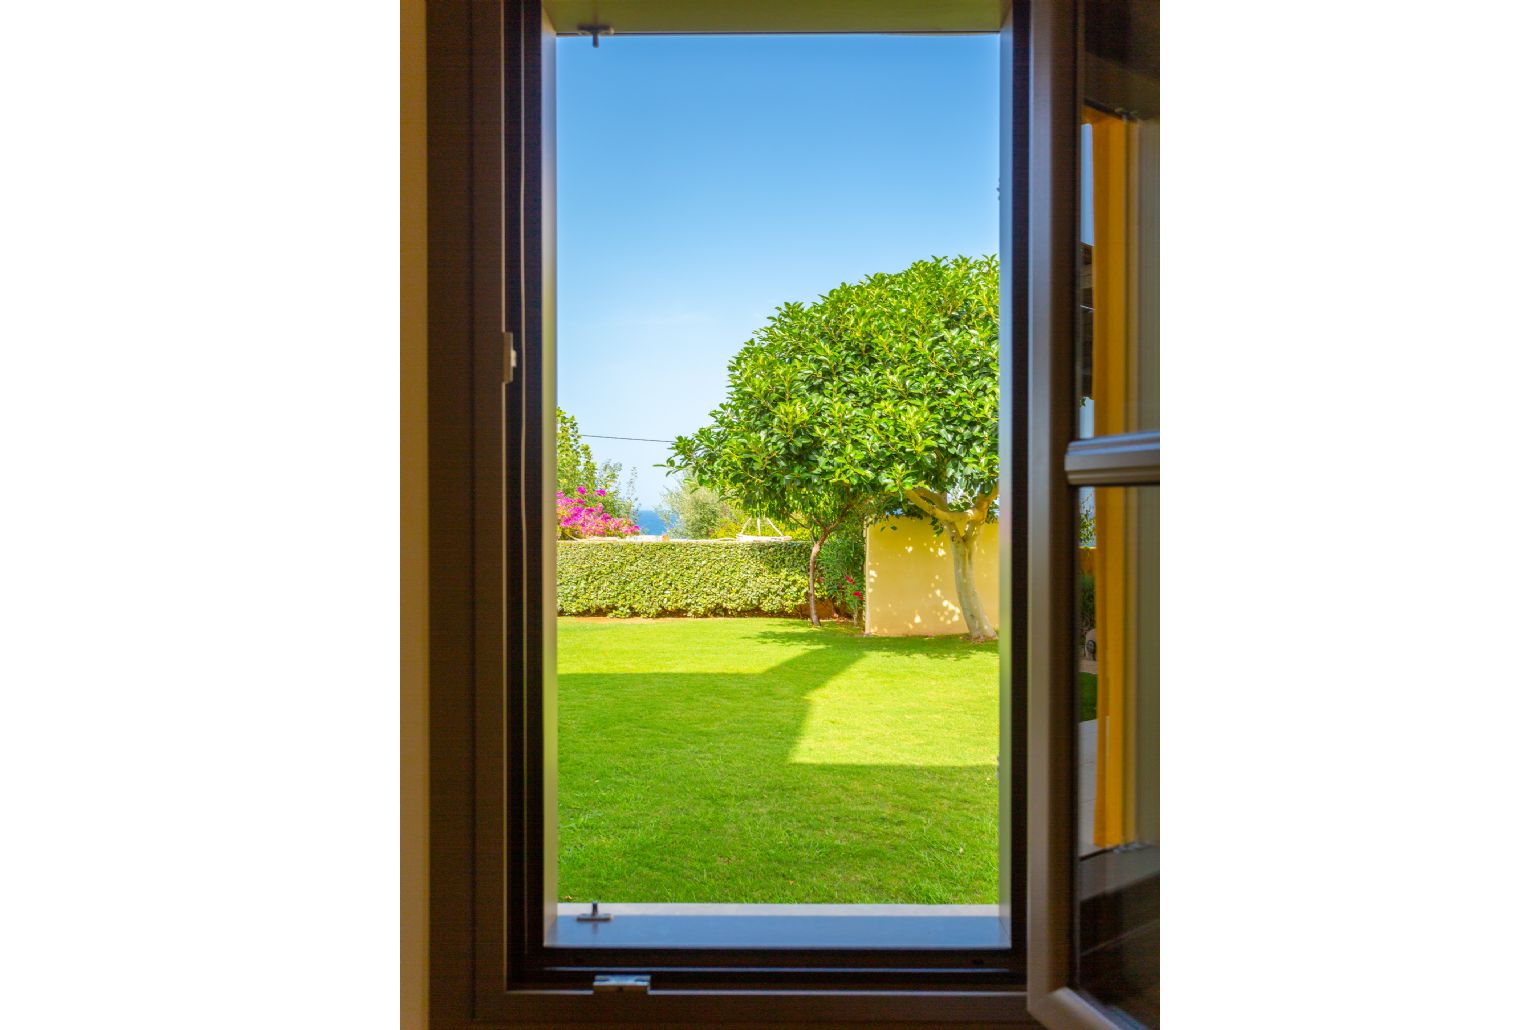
(812, 579)
(964, 550)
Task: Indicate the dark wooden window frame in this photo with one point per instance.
(490, 249)
(1058, 466)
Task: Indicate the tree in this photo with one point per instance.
(883, 394)
(698, 512)
(919, 356)
(575, 465)
(576, 468)
(767, 445)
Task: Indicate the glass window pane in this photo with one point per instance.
(1119, 335)
(1118, 747)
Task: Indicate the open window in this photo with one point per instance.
(504, 949)
(779, 711)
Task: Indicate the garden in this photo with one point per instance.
(727, 732)
(765, 760)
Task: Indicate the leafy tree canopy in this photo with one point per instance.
(882, 394)
(697, 512)
(575, 465)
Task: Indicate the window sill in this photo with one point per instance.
(806, 927)
(768, 1007)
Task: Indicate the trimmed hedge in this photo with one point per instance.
(651, 579)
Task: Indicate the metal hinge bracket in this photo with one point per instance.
(510, 357)
(622, 984)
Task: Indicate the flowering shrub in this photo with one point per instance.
(842, 567)
(583, 515)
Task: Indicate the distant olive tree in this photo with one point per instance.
(697, 512)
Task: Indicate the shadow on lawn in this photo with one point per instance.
(839, 636)
(681, 787)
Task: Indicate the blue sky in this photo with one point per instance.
(702, 181)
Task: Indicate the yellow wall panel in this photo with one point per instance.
(910, 588)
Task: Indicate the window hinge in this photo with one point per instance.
(510, 357)
(628, 984)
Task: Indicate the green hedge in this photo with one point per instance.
(682, 578)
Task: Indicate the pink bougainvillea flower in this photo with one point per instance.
(601, 493)
(856, 592)
(577, 520)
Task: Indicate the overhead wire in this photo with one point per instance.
(642, 439)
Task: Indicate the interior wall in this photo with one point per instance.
(414, 516)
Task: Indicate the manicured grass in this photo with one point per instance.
(762, 760)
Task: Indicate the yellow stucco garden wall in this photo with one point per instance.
(910, 587)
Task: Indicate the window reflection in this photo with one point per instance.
(1117, 922)
(1119, 750)
(1119, 332)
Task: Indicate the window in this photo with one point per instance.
(808, 784)
(492, 309)
(1095, 823)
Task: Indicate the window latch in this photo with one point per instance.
(596, 31)
(510, 357)
(628, 984)
(593, 915)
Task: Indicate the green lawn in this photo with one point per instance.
(1087, 696)
(762, 760)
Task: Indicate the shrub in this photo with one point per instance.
(842, 570)
(576, 470)
(682, 578)
(585, 515)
